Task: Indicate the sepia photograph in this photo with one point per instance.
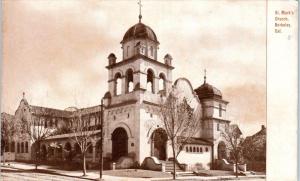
(135, 89)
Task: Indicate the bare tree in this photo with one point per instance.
(83, 132)
(37, 129)
(180, 122)
(8, 129)
(233, 142)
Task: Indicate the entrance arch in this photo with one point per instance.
(222, 150)
(44, 152)
(119, 143)
(159, 140)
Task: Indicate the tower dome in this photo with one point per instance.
(139, 31)
(207, 91)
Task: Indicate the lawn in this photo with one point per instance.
(137, 173)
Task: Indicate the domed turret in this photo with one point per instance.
(207, 91)
(111, 59)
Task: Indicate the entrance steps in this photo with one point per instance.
(169, 167)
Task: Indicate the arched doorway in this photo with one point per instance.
(44, 152)
(222, 150)
(159, 140)
(119, 143)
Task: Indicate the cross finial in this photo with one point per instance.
(204, 76)
(140, 6)
(23, 95)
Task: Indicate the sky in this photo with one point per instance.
(56, 51)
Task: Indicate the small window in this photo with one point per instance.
(151, 115)
(198, 149)
(187, 149)
(114, 117)
(127, 51)
(206, 149)
(194, 149)
(218, 127)
(201, 150)
(220, 110)
(151, 50)
(128, 115)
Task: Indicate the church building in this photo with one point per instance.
(132, 125)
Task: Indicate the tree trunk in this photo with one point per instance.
(37, 155)
(174, 161)
(84, 166)
(236, 169)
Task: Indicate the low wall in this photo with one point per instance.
(152, 163)
(8, 156)
(225, 165)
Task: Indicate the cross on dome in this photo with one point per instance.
(140, 7)
(204, 76)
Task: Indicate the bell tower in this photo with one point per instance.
(136, 83)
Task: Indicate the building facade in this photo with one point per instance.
(132, 124)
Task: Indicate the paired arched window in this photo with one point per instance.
(118, 84)
(150, 81)
(129, 80)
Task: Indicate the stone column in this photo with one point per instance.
(123, 86)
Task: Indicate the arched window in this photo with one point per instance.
(118, 84)
(18, 147)
(26, 147)
(150, 81)
(162, 82)
(129, 80)
(201, 150)
(194, 149)
(198, 149)
(220, 110)
(90, 147)
(187, 149)
(77, 148)
(218, 127)
(191, 149)
(22, 147)
(12, 146)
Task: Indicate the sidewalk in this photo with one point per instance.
(94, 174)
